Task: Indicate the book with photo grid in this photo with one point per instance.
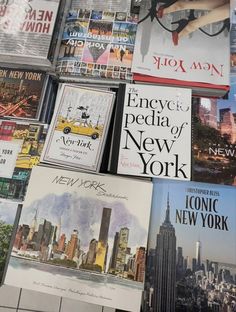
(97, 44)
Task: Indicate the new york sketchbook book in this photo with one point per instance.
(83, 236)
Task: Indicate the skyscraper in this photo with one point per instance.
(114, 251)
(139, 264)
(62, 243)
(73, 245)
(32, 227)
(122, 249)
(103, 239)
(198, 255)
(91, 255)
(165, 269)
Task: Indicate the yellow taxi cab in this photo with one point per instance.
(79, 128)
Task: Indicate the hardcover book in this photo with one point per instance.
(97, 44)
(79, 127)
(83, 236)
(26, 30)
(214, 139)
(233, 36)
(9, 214)
(21, 144)
(152, 132)
(110, 5)
(21, 92)
(190, 267)
(178, 43)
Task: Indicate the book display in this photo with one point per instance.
(118, 155)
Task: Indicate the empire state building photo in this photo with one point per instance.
(165, 269)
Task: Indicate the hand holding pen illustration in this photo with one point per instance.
(217, 10)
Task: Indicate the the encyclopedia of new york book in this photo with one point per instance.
(152, 132)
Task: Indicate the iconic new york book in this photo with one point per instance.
(214, 139)
(26, 30)
(97, 44)
(152, 132)
(21, 144)
(9, 215)
(79, 127)
(83, 236)
(22, 92)
(178, 43)
(191, 261)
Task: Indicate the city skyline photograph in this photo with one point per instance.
(190, 225)
(207, 236)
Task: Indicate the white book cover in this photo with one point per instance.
(184, 40)
(79, 127)
(155, 133)
(26, 27)
(83, 236)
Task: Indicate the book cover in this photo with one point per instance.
(152, 132)
(191, 262)
(83, 236)
(233, 37)
(110, 5)
(181, 41)
(79, 127)
(21, 92)
(9, 214)
(214, 139)
(21, 144)
(26, 29)
(97, 44)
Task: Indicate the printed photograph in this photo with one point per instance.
(21, 147)
(121, 55)
(96, 52)
(124, 33)
(190, 225)
(214, 140)
(20, 93)
(71, 50)
(88, 240)
(102, 28)
(75, 29)
(8, 212)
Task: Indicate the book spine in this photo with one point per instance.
(115, 147)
